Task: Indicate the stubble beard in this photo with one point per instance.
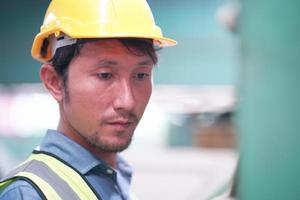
(104, 146)
(101, 144)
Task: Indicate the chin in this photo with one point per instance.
(111, 145)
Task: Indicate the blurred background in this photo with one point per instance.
(185, 143)
(226, 92)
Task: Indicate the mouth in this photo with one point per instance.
(120, 124)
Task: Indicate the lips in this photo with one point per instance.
(120, 124)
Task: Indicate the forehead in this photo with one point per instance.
(109, 47)
(110, 52)
(102, 44)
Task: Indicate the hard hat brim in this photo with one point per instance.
(160, 42)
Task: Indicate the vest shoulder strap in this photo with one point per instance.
(56, 179)
(47, 191)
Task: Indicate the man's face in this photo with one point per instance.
(108, 90)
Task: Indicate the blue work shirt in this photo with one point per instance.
(109, 183)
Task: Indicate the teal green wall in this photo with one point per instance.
(205, 54)
(269, 98)
(20, 21)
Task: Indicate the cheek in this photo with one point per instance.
(149, 92)
(144, 95)
(84, 100)
(84, 90)
(91, 102)
(85, 110)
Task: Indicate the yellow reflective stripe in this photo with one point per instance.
(4, 184)
(47, 190)
(74, 180)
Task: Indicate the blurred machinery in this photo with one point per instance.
(219, 133)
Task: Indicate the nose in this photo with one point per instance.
(125, 99)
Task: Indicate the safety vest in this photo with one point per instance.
(53, 178)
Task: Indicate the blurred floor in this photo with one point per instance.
(180, 173)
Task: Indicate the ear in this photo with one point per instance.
(52, 81)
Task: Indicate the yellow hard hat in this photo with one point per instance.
(97, 19)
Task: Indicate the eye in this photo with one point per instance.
(105, 76)
(141, 76)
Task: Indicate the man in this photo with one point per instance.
(98, 57)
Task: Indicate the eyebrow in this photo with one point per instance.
(146, 63)
(108, 62)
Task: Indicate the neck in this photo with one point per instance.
(109, 158)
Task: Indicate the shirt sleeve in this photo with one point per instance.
(19, 190)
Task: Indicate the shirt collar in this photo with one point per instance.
(123, 167)
(71, 152)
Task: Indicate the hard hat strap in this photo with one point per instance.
(60, 41)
